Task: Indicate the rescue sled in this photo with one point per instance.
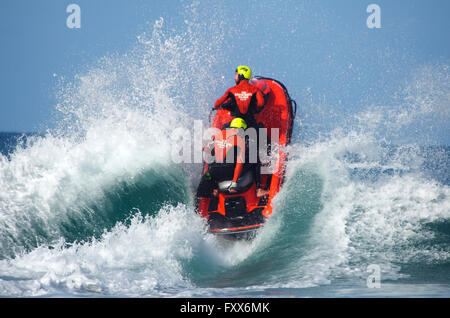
(239, 215)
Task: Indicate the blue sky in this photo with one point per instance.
(322, 50)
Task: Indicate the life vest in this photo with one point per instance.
(244, 95)
(229, 150)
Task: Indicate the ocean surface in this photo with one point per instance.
(88, 218)
(95, 206)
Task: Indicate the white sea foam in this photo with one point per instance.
(142, 258)
(114, 123)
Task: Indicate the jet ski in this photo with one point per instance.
(239, 215)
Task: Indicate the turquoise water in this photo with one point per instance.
(72, 230)
(95, 206)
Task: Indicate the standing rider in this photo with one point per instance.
(244, 99)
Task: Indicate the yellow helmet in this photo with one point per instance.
(245, 71)
(238, 123)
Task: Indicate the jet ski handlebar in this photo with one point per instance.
(226, 106)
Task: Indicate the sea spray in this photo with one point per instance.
(95, 207)
(142, 256)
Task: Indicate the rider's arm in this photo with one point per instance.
(237, 171)
(240, 159)
(259, 100)
(222, 100)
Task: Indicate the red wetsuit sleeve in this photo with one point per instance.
(222, 100)
(259, 100)
(237, 171)
(240, 160)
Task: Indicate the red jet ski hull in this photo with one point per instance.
(241, 214)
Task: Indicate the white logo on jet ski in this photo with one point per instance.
(243, 96)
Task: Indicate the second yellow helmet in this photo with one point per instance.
(238, 123)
